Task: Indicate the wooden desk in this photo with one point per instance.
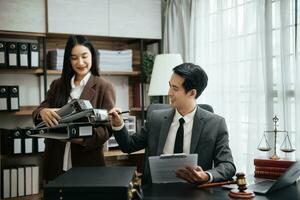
(180, 191)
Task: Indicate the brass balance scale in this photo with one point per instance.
(286, 145)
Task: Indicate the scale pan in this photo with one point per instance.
(287, 150)
(264, 148)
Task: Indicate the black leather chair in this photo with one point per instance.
(160, 106)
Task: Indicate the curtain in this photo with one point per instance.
(249, 50)
(297, 80)
(286, 99)
(230, 46)
(176, 34)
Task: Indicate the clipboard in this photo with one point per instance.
(163, 168)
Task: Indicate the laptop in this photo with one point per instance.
(287, 178)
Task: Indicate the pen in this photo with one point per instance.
(206, 185)
(120, 113)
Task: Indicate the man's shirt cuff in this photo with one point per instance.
(117, 128)
(211, 178)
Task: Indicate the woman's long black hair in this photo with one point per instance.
(64, 90)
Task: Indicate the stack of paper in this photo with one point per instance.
(115, 60)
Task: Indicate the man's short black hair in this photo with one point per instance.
(194, 77)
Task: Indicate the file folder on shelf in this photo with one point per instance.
(23, 55)
(9, 98)
(35, 179)
(12, 54)
(4, 96)
(21, 181)
(27, 141)
(14, 101)
(28, 180)
(13, 182)
(34, 55)
(6, 183)
(3, 62)
(11, 141)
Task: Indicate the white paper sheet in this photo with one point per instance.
(163, 168)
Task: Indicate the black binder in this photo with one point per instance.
(3, 54)
(27, 141)
(109, 183)
(65, 131)
(4, 97)
(14, 100)
(23, 55)
(12, 52)
(11, 141)
(34, 55)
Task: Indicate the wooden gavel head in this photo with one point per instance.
(241, 181)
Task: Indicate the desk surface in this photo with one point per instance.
(176, 191)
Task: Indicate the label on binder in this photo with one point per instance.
(2, 58)
(12, 59)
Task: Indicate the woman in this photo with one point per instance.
(80, 79)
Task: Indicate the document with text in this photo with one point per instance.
(163, 168)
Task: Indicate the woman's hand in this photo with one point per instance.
(49, 116)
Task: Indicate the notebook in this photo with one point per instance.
(287, 178)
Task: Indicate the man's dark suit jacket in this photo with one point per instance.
(209, 140)
(101, 95)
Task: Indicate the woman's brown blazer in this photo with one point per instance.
(101, 95)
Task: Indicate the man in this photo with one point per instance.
(204, 133)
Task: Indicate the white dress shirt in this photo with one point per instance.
(74, 94)
(187, 133)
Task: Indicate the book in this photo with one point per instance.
(136, 92)
(275, 174)
(268, 175)
(273, 163)
(270, 169)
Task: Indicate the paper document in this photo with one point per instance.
(163, 168)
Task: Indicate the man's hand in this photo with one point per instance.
(193, 174)
(116, 120)
(49, 116)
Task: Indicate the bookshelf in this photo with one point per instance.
(38, 71)
(106, 73)
(24, 111)
(43, 75)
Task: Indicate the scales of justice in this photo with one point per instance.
(286, 145)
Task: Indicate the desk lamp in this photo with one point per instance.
(162, 71)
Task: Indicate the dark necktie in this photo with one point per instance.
(178, 147)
